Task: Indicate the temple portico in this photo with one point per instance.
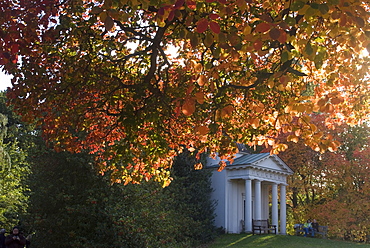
(253, 187)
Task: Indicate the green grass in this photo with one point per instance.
(279, 241)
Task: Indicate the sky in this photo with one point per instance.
(4, 81)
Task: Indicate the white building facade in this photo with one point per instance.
(252, 187)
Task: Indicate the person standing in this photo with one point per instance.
(2, 238)
(15, 239)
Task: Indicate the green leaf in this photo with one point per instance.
(308, 49)
(298, 73)
(324, 8)
(284, 56)
(290, 21)
(297, 6)
(310, 12)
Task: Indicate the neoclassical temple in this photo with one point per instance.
(252, 187)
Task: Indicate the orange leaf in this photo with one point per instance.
(189, 107)
(202, 130)
(215, 27)
(226, 111)
(202, 25)
(321, 102)
(201, 80)
(200, 97)
(336, 100)
(263, 27)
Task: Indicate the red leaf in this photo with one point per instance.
(15, 48)
(282, 38)
(215, 27)
(257, 44)
(263, 27)
(214, 16)
(274, 33)
(171, 15)
(202, 25)
(161, 11)
(108, 23)
(191, 4)
(222, 1)
(179, 4)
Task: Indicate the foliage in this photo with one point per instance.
(332, 187)
(64, 203)
(98, 76)
(279, 241)
(14, 167)
(78, 208)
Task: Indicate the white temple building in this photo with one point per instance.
(249, 189)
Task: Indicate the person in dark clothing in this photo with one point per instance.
(315, 225)
(2, 238)
(28, 241)
(15, 239)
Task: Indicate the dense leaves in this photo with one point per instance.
(332, 187)
(98, 75)
(15, 141)
(78, 208)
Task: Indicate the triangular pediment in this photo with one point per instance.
(263, 161)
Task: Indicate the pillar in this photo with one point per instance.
(275, 207)
(282, 209)
(248, 205)
(257, 199)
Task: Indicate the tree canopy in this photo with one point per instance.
(332, 187)
(98, 75)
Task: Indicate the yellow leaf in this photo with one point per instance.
(293, 138)
(198, 166)
(247, 30)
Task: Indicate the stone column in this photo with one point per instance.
(275, 207)
(282, 209)
(248, 205)
(257, 199)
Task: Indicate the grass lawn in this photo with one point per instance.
(279, 241)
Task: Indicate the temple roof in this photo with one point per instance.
(264, 161)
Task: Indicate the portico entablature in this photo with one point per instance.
(257, 174)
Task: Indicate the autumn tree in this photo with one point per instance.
(99, 75)
(332, 187)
